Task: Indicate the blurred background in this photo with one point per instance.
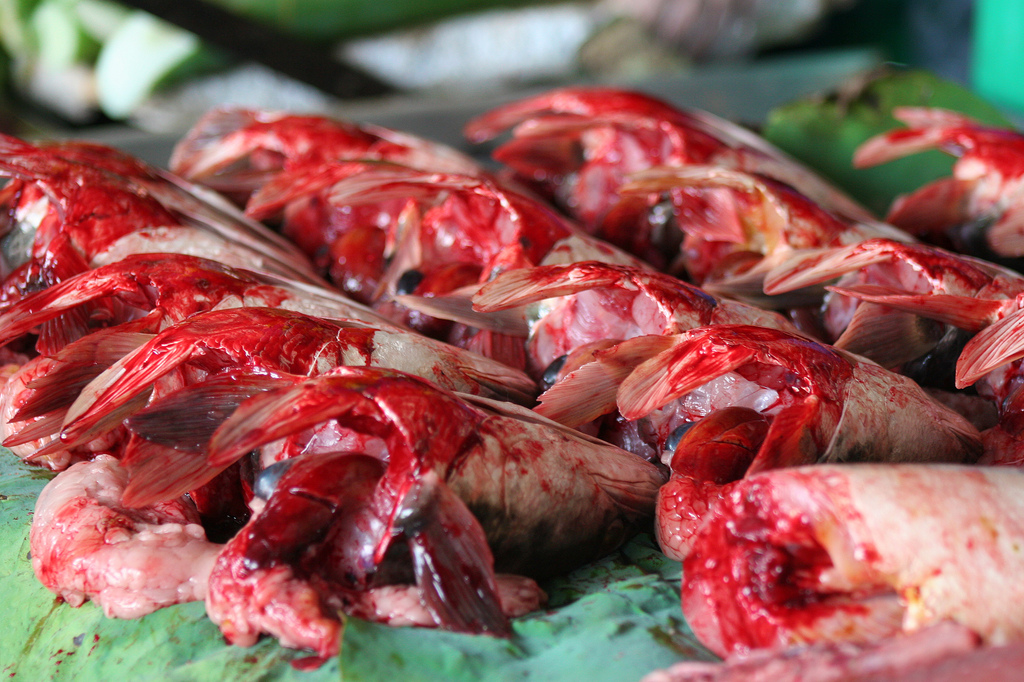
(152, 67)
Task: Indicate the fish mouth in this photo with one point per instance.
(768, 572)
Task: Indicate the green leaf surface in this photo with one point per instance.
(823, 132)
(142, 54)
(326, 20)
(616, 619)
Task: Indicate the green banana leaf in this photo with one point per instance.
(614, 620)
(324, 20)
(824, 131)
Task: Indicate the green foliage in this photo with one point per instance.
(823, 132)
(326, 20)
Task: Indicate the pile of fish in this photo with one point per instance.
(320, 368)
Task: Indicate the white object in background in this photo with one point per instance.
(485, 50)
(709, 29)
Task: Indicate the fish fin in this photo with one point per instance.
(203, 406)
(721, 217)
(514, 288)
(301, 179)
(69, 305)
(203, 152)
(56, 333)
(51, 448)
(452, 561)
(964, 312)
(589, 392)
(44, 402)
(269, 201)
(62, 261)
(209, 211)
(492, 123)
(277, 413)
(73, 368)
(675, 372)
(120, 390)
(1006, 236)
(990, 348)
(458, 306)
(781, 165)
(933, 208)
(789, 441)
(75, 434)
(386, 182)
(564, 402)
(895, 144)
(28, 313)
(545, 149)
(506, 350)
(932, 117)
(749, 287)
(718, 192)
(806, 267)
(159, 473)
(47, 425)
(889, 337)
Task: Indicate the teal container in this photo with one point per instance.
(997, 62)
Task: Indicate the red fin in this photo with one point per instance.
(1006, 236)
(203, 406)
(675, 372)
(572, 102)
(452, 561)
(719, 189)
(54, 301)
(932, 117)
(45, 401)
(808, 267)
(494, 122)
(895, 145)
(509, 351)
(749, 287)
(589, 392)
(63, 261)
(404, 248)
(159, 473)
(74, 367)
(790, 439)
(889, 337)
(286, 186)
(990, 348)
(202, 152)
(781, 166)
(269, 416)
(529, 285)
(964, 312)
(72, 325)
(41, 428)
(119, 391)
(458, 306)
(304, 179)
(548, 150)
(804, 268)
(933, 208)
